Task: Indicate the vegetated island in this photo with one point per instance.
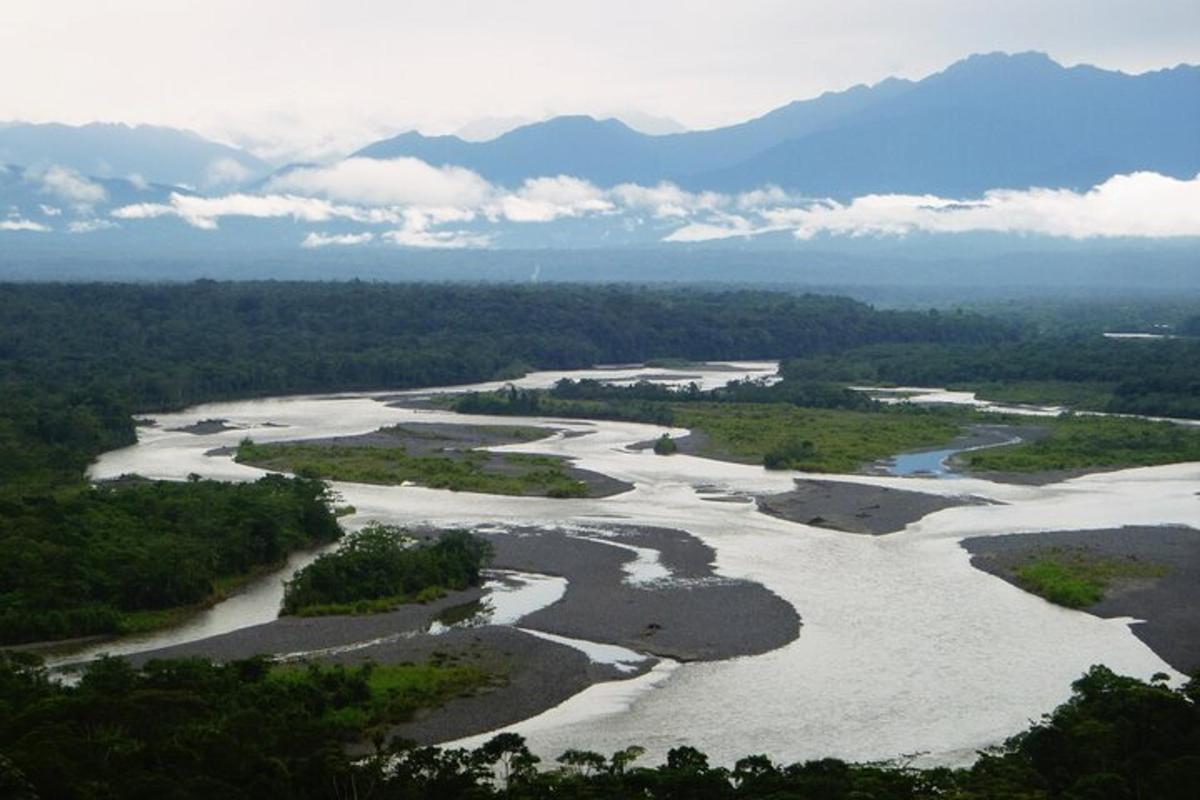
(438, 455)
(380, 567)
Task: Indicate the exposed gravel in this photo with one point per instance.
(1170, 605)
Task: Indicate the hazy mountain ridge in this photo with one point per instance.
(114, 150)
(987, 121)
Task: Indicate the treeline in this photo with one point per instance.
(653, 403)
(381, 567)
(191, 729)
(1159, 377)
(76, 562)
(173, 345)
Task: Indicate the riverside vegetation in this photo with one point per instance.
(824, 427)
(250, 729)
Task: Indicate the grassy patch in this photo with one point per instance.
(1082, 442)
(1076, 577)
(1080, 395)
(393, 692)
(463, 471)
(815, 440)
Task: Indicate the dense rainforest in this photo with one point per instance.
(84, 561)
(249, 729)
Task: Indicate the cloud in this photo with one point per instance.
(137, 181)
(315, 240)
(394, 182)
(91, 226)
(205, 212)
(1141, 204)
(226, 172)
(446, 240)
(70, 186)
(547, 199)
(421, 204)
(50, 211)
(666, 200)
(23, 225)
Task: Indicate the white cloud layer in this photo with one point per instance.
(69, 185)
(19, 224)
(425, 206)
(315, 239)
(400, 181)
(225, 172)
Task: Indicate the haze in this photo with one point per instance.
(304, 79)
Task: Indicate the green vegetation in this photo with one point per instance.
(1072, 394)
(1076, 577)
(1084, 442)
(166, 346)
(1152, 377)
(128, 557)
(393, 692)
(381, 567)
(665, 445)
(464, 471)
(249, 729)
(814, 440)
(193, 729)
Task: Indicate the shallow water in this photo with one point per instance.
(905, 647)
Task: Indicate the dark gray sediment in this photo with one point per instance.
(287, 635)
(1170, 604)
(856, 507)
(531, 675)
(693, 614)
(697, 443)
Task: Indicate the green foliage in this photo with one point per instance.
(393, 692)
(1151, 377)
(249, 729)
(465, 471)
(1082, 442)
(818, 440)
(1077, 577)
(380, 567)
(193, 729)
(665, 445)
(126, 557)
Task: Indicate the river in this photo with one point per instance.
(905, 647)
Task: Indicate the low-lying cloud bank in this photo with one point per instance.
(420, 205)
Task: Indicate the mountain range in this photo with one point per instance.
(988, 121)
(142, 152)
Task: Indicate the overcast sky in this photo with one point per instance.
(295, 76)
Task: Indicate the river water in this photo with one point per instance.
(905, 647)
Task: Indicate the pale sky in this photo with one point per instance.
(300, 77)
